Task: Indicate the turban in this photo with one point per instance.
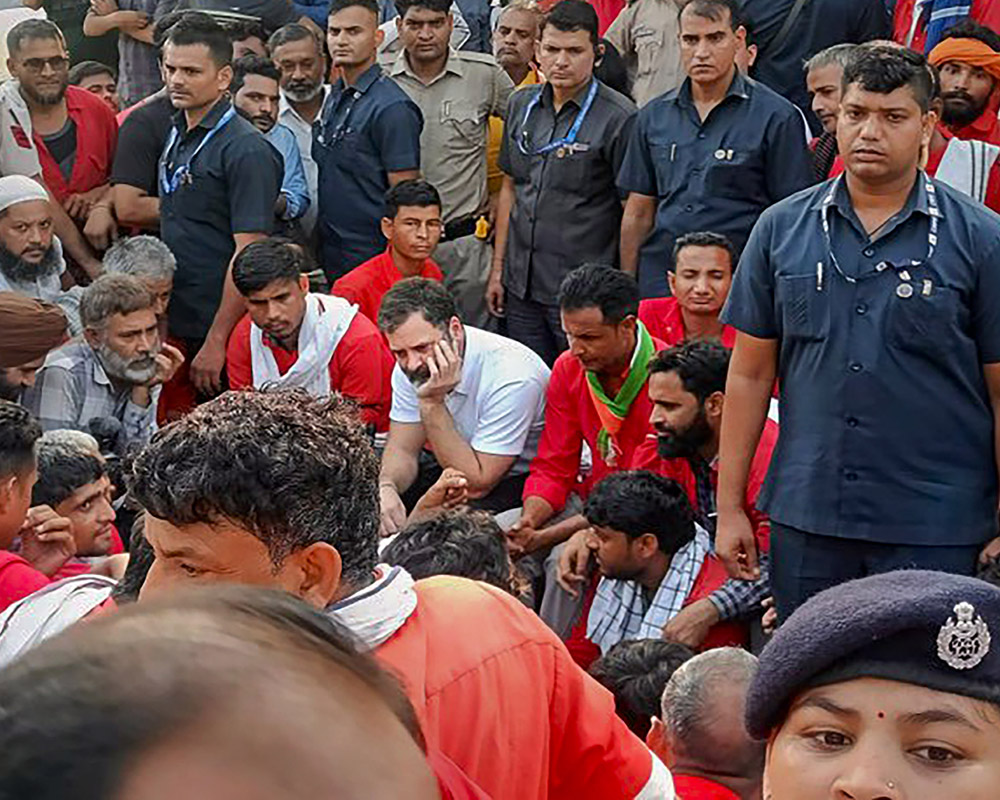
(967, 51)
(29, 328)
(19, 189)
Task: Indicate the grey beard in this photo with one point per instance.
(136, 371)
(304, 95)
(18, 270)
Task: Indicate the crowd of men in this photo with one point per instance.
(529, 399)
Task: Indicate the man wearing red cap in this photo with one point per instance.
(968, 59)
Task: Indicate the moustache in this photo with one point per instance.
(958, 94)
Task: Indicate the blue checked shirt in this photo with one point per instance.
(72, 388)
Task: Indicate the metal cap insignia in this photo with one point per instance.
(965, 642)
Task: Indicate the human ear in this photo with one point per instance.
(316, 574)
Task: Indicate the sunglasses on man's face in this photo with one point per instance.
(57, 63)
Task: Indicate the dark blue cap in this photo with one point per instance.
(931, 629)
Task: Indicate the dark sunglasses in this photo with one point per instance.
(38, 64)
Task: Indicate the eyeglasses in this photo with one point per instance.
(57, 63)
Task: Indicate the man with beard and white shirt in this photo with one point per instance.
(255, 95)
(114, 371)
(31, 256)
(299, 55)
(462, 397)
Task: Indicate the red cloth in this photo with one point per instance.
(689, 787)
(985, 12)
(82, 566)
(934, 161)
(18, 579)
(474, 660)
(607, 12)
(679, 469)
(361, 367)
(453, 783)
(663, 319)
(96, 139)
(367, 283)
(570, 420)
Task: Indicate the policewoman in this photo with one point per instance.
(875, 300)
(562, 146)
(218, 181)
(885, 688)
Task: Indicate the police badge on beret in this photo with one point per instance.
(965, 642)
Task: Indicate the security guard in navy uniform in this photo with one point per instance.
(710, 155)
(884, 688)
(874, 299)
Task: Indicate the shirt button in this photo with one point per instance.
(851, 476)
(702, 135)
(861, 308)
(689, 208)
(869, 251)
(856, 367)
(852, 422)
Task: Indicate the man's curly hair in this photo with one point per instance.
(286, 467)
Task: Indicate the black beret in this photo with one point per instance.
(925, 628)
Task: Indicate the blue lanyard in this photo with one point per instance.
(567, 141)
(904, 290)
(182, 174)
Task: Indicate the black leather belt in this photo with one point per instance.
(459, 228)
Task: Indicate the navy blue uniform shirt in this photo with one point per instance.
(886, 422)
(365, 131)
(233, 186)
(716, 175)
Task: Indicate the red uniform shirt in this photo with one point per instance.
(689, 787)
(18, 579)
(367, 283)
(679, 469)
(663, 319)
(361, 367)
(570, 420)
(96, 139)
(985, 12)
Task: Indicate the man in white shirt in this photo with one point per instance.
(476, 400)
(298, 53)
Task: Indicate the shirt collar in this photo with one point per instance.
(576, 99)
(401, 66)
(468, 365)
(99, 375)
(207, 122)
(284, 107)
(916, 202)
(365, 82)
(740, 87)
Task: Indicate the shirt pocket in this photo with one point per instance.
(737, 177)
(464, 119)
(648, 45)
(575, 171)
(670, 162)
(803, 310)
(924, 325)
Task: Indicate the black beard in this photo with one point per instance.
(962, 115)
(18, 270)
(45, 99)
(253, 120)
(8, 390)
(686, 443)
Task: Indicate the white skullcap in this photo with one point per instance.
(16, 189)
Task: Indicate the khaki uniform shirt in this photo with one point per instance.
(645, 33)
(457, 105)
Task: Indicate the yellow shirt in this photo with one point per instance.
(494, 173)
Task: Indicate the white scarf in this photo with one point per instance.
(966, 166)
(618, 611)
(326, 320)
(51, 610)
(375, 613)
